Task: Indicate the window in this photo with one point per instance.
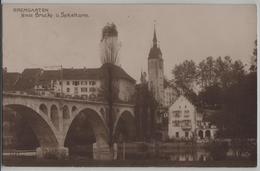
(84, 89)
(92, 82)
(176, 123)
(186, 113)
(186, 134)
(186, 123)
(68, 89)
(176, 114)
(82, 82)
(68, 82)
(92, 89)
(76, 83)
(177, 134)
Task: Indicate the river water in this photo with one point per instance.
(171, 153)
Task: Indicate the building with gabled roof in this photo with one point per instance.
(84, 83)
(186, 123)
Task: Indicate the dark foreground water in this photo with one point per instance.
(176, 155)
(125, 163)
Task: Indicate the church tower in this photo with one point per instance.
(155, 71)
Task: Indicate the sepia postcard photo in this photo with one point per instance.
(129, 85)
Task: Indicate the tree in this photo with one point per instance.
(145, 110)
(210, 97)
(206, 72)
(233, 92)
(222, 70)
(237, 72)
(253, 66)
(239, 109)
(185, 74)
(110, 47)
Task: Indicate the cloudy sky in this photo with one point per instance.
(184, 31)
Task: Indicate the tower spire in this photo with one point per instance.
(154, 37)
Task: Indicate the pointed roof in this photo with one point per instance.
(155, 51)
(154, 37)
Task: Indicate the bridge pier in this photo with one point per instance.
(102, 152)
(52, 152)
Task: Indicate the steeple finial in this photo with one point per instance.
(154, 35)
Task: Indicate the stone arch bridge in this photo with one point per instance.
(50, 118)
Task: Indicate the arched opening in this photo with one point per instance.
(24, 129)
(207, 134)
(65, 112)
(86, 128)
(44, 109)
(201, 134)
(55, 116)
(125, 132)
(73, 109)
(125, 129)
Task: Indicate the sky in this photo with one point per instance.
(184, 32)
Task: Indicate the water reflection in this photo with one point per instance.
(177, 152)
(187, 155)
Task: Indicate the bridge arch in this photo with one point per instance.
(95, 121)
(73, 109)
(207, 134)
(200, 133)
(44, 109)
(124, 127)
(38, 121)
(65, 112)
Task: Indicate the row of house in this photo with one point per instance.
(84, 83)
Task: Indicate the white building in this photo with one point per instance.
(182, 119)
(85, 83)
(185, 122)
